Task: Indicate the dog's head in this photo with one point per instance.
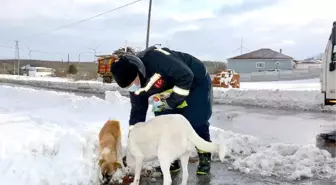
(108, 169)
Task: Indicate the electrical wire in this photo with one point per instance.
(66, 26)
(2, 46)
(81, 21)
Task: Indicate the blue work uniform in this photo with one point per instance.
(188, 78)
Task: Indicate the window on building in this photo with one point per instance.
(260, 65)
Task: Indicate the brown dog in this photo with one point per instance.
(110, 149)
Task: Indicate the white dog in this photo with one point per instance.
(167, 137)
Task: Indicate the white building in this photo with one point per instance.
(37, 71)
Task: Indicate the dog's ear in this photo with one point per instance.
(117, 165)
(101, 161)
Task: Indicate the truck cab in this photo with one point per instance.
(328, 77)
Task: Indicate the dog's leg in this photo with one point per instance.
(184, 159)
(120, 154)
(138, 166)
(165, 165)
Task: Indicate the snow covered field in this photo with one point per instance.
(295, 95)
(50, 138)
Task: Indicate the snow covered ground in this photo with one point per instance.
(61, 83)
(310, 84)
(50, 138)
(295, 95)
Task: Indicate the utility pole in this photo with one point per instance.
(68, 59)
(79, 58)
(148, 22)
(17, 57)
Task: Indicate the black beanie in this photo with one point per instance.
(124, 72)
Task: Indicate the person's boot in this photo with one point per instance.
(204, 165)
(174, 167)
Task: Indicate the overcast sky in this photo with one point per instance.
(208, 29)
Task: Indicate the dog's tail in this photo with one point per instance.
(203, 145)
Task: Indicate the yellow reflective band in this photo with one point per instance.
(181, 91)
(168, 92)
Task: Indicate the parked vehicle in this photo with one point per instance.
(328, 77)
(104, 67)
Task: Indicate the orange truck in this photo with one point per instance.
(104, 66)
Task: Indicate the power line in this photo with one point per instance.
(2, 46)
(81, 21)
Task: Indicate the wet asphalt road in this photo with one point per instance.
(220, 175)
(271, 126)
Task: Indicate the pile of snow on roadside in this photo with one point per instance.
(293, 162)
(309, 100)
(50, 138)
(64, 84)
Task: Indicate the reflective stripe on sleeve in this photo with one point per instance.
(180, 91)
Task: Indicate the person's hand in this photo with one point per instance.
(159, 104)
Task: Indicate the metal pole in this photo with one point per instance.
(79, 56)
(148, 22)
(18, 56)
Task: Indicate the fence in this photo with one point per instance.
(296, 74)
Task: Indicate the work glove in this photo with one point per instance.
(159, 103)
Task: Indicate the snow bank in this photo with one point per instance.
(249, 155)
(308, 100)
(308, 84)
(296, 95)
(51, 138)
(64, 84)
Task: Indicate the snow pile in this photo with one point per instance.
(115, 97)
(35, 78)
(62, 84)
(295, 95)
(293, 162)
(308, 84)
(51, 138)
(309, 100)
